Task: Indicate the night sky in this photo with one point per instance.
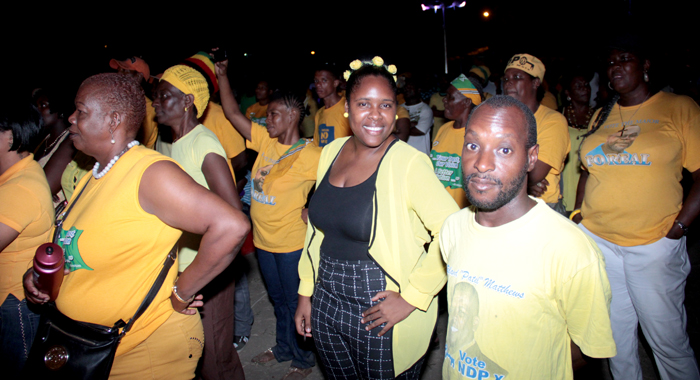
(64, 45)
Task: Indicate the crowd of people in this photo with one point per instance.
(535, 202)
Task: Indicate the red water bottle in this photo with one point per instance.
(48, 268)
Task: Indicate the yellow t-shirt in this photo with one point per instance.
(149, 127)
(518, 294)
(446, 155)
(115, 251)
(275, 208)
(189, 151)
(26, 207)
(80, 165)
(233, 143)
(436, 101)
(257, 113)
(553, 138)
(549, 101)
(572, 169)
(331, 124)
(633, 193)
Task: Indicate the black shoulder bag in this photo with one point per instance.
(67, 349)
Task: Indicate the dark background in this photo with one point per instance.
(65, 44)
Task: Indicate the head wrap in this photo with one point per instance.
(189, 81)
(482, 72)
(527, 63)
(465, 86)
(203, 63)
(133, 63)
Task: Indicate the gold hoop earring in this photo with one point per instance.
(185, 109)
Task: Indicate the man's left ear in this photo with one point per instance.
(532, 154)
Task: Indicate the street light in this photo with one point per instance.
(442, 5)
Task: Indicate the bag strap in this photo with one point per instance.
(155, 288)
(60, 219)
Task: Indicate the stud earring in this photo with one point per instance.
(345, 114)
(185, 109)
(397, 117)
(646, 77)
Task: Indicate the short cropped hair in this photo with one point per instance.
(502, 101)
(120, 93)
(25, 122)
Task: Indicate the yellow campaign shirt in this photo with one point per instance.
(331, 124)
(149, 127)
(572, 169)
(257, 113)
(189, 151)
(26, 206)
(115, 251)
(549, 101)
(275, 208)
(633, 193)
(519, 293)
(436, 101)
(553, 138)
(446, 155)
(233, 143)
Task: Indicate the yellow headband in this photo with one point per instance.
(189, 81)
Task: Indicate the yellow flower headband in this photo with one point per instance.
(376, 61)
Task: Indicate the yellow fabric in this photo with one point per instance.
(549, 101)
(26, 207)
(82, 164)
(527, 63)
(257, 113)
(189, 81)
(149, 127)
(633, 197)
(115, 251)
(331, 124)
(535, 284)
(572, 169)
(553, 138)
(446, 155)
(402, 113)
(436, 101)
(190, 151)
(275, 206)
(232, 141)
(171, 352)
(411, 205)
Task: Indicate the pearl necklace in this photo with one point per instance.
(99, 174)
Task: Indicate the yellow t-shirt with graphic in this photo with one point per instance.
(26, 207)
(257, 113)
(190, 151)
(519, 293)
(446, 155)
(115, 251)
(633, 192)
(275, 208)
(331, 124)
(553, 138)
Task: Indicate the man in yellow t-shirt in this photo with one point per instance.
(522, 77)
(536, 291)
(330, 122)
(258, 112)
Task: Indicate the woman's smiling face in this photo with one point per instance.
(372, 111)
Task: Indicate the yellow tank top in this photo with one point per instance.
(115, 251)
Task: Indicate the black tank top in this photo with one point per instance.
(344, 214)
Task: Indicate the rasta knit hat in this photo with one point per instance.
(189, 81)
(527, 63)
(203, 63)
(466, 87)
(482, 72)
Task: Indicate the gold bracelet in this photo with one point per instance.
(574, 213)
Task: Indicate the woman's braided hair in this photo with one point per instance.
(291, 100)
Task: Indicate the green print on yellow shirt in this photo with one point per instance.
(69, 242)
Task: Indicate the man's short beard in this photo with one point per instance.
(505, 194)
